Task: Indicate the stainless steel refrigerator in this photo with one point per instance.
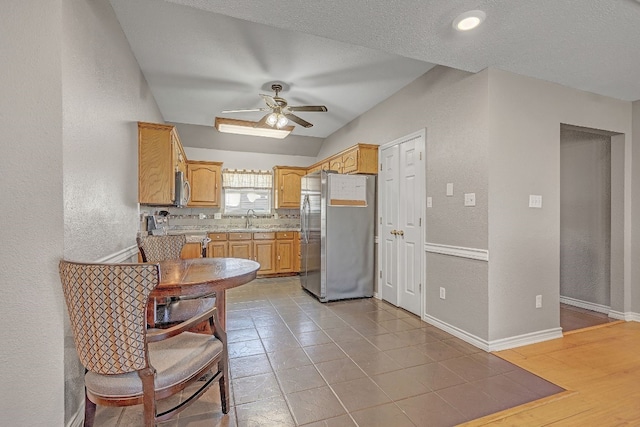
(337, 218)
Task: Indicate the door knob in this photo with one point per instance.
(400, 232)
(394, 232)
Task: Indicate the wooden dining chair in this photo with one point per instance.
(126, 363)
(174, 310)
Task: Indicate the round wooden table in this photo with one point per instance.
(201, 276)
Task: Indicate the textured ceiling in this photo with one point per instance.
(203, 56)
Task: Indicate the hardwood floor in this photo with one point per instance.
(600, 369)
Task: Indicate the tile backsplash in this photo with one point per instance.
(198, 219)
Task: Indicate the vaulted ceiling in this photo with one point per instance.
(200, 57)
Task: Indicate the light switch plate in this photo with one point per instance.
(450, 189)
(469, 199)
(429, 202)
(535, 201)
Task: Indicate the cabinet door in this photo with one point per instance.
(217, 250)
(264, 252)
(336, 164)
(350, 161)
(204, 178)
(191, 250)
(285, 256)
(240, 249)
(156, 164)
(288, 188)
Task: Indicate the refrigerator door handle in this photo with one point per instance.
(305, 218)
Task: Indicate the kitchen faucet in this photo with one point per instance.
(248, 224)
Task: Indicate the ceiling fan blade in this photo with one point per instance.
(245, 110)
(308, 108)
(298, 120)
(269, 100)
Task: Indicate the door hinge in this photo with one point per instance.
(381, 220)
(421, 155)
(420, 222)
(380, 166)
(381, 274)
(420, 287)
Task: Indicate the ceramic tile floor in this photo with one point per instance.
(295, 361)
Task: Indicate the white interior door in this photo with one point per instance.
(409, 228)
(388, 245)
(401, 192)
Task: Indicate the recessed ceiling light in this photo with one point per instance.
(469, 20)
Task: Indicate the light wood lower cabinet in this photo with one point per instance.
(218, 247)
(191, 250)
(276, 252)
(240, 245)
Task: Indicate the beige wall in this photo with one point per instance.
(104, 95)
(31, 356)
(452, 106)
(524, 134)
(585, 216)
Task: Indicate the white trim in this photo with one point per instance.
(78, 418)
(496, 345)
(585, 304)
(459, 251)
(628, 316)
(525, 339)
(457, 332)
(123, 255)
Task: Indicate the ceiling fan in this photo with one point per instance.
(279, 111)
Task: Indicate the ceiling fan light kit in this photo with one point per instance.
(279, 111)
(246, 127)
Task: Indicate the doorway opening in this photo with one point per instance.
(591, 224)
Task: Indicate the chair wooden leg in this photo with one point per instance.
(224, 385)
(89, 411)
(149, 398)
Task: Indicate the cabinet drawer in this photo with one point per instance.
(285, 235)
(218, 236)
(239, 236)
(264, 236)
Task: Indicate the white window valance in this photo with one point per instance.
(242, 178)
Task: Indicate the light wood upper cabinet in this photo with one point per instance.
(160, 155)
(205, 180)
(361, 158)
(286, 186)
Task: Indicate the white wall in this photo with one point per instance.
(31, 355)
(104, 95)
(524, 158)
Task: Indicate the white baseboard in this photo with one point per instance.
(495, 345)
(124, 255)
(629, 316)
(585, 304)
(78, 418)
(525, 339)
(457, 332)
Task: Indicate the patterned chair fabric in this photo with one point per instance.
(128, 364)
(161, 248)
(107, 304)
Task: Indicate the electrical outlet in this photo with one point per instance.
(538, 301)
(443, 293)
(450, 189)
